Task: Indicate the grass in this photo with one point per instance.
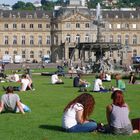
(47, 103)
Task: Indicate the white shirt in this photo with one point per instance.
(97, 84)
(16, 77)
(108, 77)
(54, 78)
(69, 117)
(24, 83)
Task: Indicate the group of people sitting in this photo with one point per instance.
(77, 112)
(98, 83)
(10, 102)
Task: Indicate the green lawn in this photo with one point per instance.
(47, 103)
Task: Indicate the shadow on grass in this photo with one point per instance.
(52, 127)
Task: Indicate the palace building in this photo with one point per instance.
(33, 34)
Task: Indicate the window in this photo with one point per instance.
(31, 40)
(40, 54)
(48, 52)
(14, 40)
(6, 52)
(77, 25)
(126, 39)
(15, 52)
(126, 26)
(134, 53)
(68, 25)
(111, 38)
(103, 38)
(6, 26)
(47, 25)
(87, 38)
(39, 40)
(119, 40)
(23, 54)
(23, 40)
(118, 26)
(14, 26)
(134, 39)
(110, 26)
(68, 38)
(23, 26)
(87, 25)
(119, 54)
(31, 54)
(48, 40)
(31, 26)
(6, 40)
(134, 26)
(77, 38)
(40, 26)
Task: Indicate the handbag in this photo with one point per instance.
(136, 124)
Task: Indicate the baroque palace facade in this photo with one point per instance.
(34, 34)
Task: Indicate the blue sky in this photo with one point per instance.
(11, 2)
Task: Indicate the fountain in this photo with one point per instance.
(99, 47)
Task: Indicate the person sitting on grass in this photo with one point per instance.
(79, 82)
(117, 115)
(55, 79)
(132, 78)
(98, 85)
(77, 112)
(25, 84)
(119, 82)
(10, 102)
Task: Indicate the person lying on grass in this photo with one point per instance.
(10, 102)
(77, 112)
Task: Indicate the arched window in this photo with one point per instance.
(23, 40)
(126, 39)
(31, 40)
(14, 40)
(119, 39)
(6, 40)
(39, 40)
(87, 38)
(31, 54)
(111, 38)
(77, 38)
(68, 38)
(134, 39)
(134, 53)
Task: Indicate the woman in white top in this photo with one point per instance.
(76, 113)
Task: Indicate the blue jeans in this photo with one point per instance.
(86, 127)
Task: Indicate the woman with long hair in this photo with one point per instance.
(77, 112)
(117, 115)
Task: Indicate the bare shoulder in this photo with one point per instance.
(109, 107)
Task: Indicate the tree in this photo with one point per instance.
(19, 5)
(29, 6)
(47, 5)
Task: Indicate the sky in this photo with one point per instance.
(12, 2)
